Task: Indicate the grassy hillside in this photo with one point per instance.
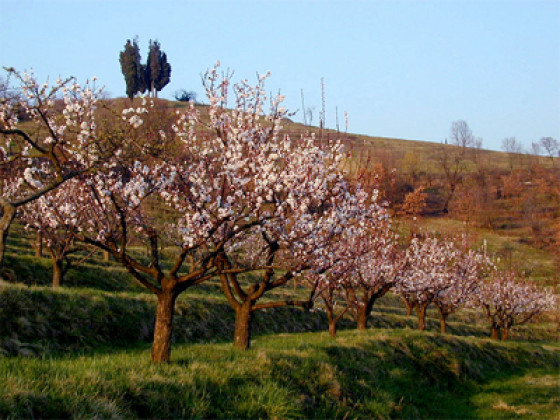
(378, 374)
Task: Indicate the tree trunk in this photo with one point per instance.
(362, 318)
(8, 214)
(38, 244)
(442, 318)
(409, 306)
(161, 348)
(105, 256)
(58, 272)
(333, 320)
(495, 332)
(332, 327)
(443, 323)
(242, 333)
(505, 334)
(421, 312)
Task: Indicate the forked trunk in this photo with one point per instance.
(421, 313)
(409, 306)
(161, 349)
(495, 332)
(242, 333)
(58, 272)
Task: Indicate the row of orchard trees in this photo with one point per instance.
(230, 194)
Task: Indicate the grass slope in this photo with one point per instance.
(377, 374)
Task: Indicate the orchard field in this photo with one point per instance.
(364, 277)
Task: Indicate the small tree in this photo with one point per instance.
(183, 95)
(551, 146)
(363, 235)
(452, 158)
(468, 269)
(508, 300)
(428, 273)
(40, 216)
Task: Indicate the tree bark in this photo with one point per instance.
(421, 312)
(362, 317)
(409, 306)
(443, 315)
(242, 333)
(505, 334)
(443, 323)
(161, 349)
(38, 244)
(8, 214)
(495, 332)
(333, 320)
(332, 327)
(58, 272)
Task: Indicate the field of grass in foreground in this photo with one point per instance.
(376, 374)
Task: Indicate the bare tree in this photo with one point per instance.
(552, 147)
(452, 158)
(513, 148)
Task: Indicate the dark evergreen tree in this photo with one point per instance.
(133, 71)
(158, 70)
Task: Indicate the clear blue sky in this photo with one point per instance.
(404, 69)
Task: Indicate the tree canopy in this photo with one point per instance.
(152, 76)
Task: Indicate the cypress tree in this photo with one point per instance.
(158, 70)
(133, 71)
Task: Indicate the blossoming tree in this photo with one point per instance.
(508, 300)
(364, 263)
(283, 199)
(40, 216)
(469, 268)
(52, 147)
(218, 183)
(378, 270)
(429, 272)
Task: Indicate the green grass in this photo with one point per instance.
(528, 394)
(377, 374)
